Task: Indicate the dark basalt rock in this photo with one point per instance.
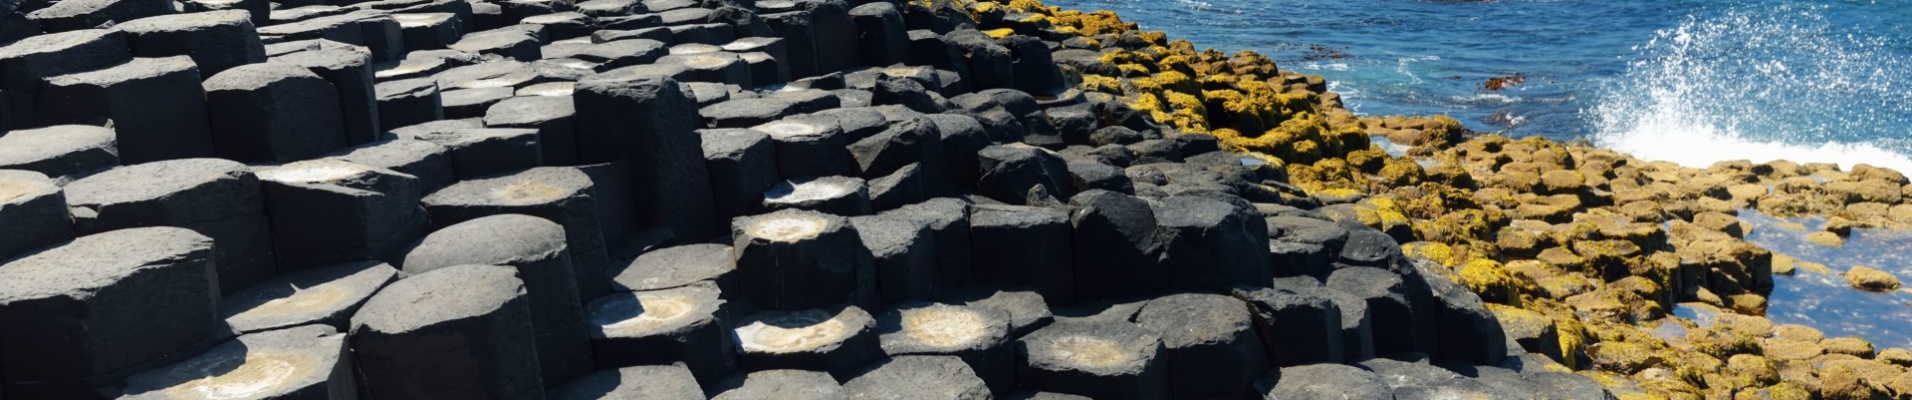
(1323, 381)
(155, 105)
(742, 165)
(562, 195)
(217, 198)
(407, 324)
(64, 152)
(1212, 245)
(1213, 350)
(35, 211)
(1026, 309)
(810, 146)
(650, 123)
(794, 260)
(780, 384)
(273, 112)
(840, 340)
(1296, 328)
(1104, 360)
(1013, 173)
(662, 382)
(1116, 246)
(350, 73)
(652, 327)
(904, 252)
(330, 211)
(536, 249)
(1397, 327)
(90, 311)
(324, 296)
(1024, 246)
(918, 377)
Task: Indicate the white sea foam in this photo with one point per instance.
(1195, 5)
(1328, 67)
(1401, 66)
(1761, 85)
(1700, 146)
(1389, 146)
(1350, 95)
(1481, 98)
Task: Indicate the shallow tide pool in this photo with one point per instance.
(1825, 301)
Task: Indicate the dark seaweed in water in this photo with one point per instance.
(1318, 53)
(1503, 82)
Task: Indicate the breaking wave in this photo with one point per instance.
(1771, 83)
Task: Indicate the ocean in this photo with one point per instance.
(1688, 81)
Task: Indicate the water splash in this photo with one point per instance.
(1762, 84)
(1404, 62)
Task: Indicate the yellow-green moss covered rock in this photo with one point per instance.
(1491, 280)
(1848, 345)
(1895, 356)
(1762, 370)
(1847, 380)
(1781, 349)
(1622, 357)
(1798, 333)
(1872, 280)
(1534, 331)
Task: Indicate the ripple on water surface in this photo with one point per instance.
(1824, 301)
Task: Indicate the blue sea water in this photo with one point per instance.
(1689, 81)
(1823, 300)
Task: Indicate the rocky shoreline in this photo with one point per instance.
(845, 199)
(1571, 244)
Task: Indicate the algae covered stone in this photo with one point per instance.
(1623, 356)
(1827, 239)
(1869, 279)
(1849, 345)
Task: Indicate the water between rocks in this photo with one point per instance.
(1825, 301)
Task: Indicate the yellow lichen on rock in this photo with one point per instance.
(1397, 172)
(1101, 84)
(1814, 267)
(1491, 280)
(1177, 81)
(1783, 264)
(1440, 253)
(1385, 215)
(1623, 357)
(1100, 22)
(1027, 6)
(1872, 280)
(1852, 346)
(1895, 356)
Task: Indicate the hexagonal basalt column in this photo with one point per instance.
(840, 340)
(90, 311)
(32, 213)
(330, 211)
(217, 198)
(794, 260)
(303, 362)
(456, 332)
